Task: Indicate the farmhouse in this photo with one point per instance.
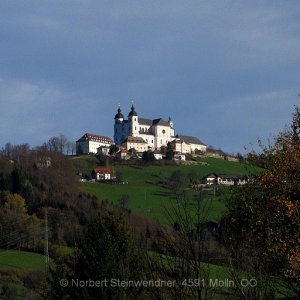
(101, 174)
(211, 179)
(225, 179)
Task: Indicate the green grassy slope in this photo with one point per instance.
(149, 198)
(13, 259)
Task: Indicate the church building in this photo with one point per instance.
(153, 133)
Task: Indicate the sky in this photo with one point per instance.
(226, 72)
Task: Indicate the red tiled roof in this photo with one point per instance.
(95, 138)
(102, 170)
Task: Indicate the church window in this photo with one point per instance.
(152, 141)
(163, 131)
(134, 128)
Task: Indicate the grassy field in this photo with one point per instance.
(149, 198)
(13, 259)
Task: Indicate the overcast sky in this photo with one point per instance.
(225, 71)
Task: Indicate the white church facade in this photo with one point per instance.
(155, 133)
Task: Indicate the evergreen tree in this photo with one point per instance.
(107, 251)
(148, 156)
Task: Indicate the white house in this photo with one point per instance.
(89, 143)
(158, 155)
(103, 150)
(179, 157)
(225, 179)
(101, 174)
(211, 179)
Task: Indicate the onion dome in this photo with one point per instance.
(133, 112)
(119, 115)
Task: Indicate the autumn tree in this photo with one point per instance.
(31, 179)
(17, 228)
(263, 223)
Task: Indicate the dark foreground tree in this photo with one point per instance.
(183, 251)
(148, 156)
(107, 251)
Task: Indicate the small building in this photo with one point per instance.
(103, 150)
(137, 143)
(224, 179)
(124, 154)
(43, 162)
(179, 157)
(211, 179)
(101, 174)
(89, 143)
(242, 180)
(158, 155)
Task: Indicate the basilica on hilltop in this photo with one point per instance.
(141, 134)
(155, 133)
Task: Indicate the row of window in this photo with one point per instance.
(147, 141)
(161, 141)
(142, 129)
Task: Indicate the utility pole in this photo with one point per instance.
(46, 241)
(45, 286)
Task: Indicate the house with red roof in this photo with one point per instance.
(102, 174)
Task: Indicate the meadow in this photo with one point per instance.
(29, 261)
(151, 199)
